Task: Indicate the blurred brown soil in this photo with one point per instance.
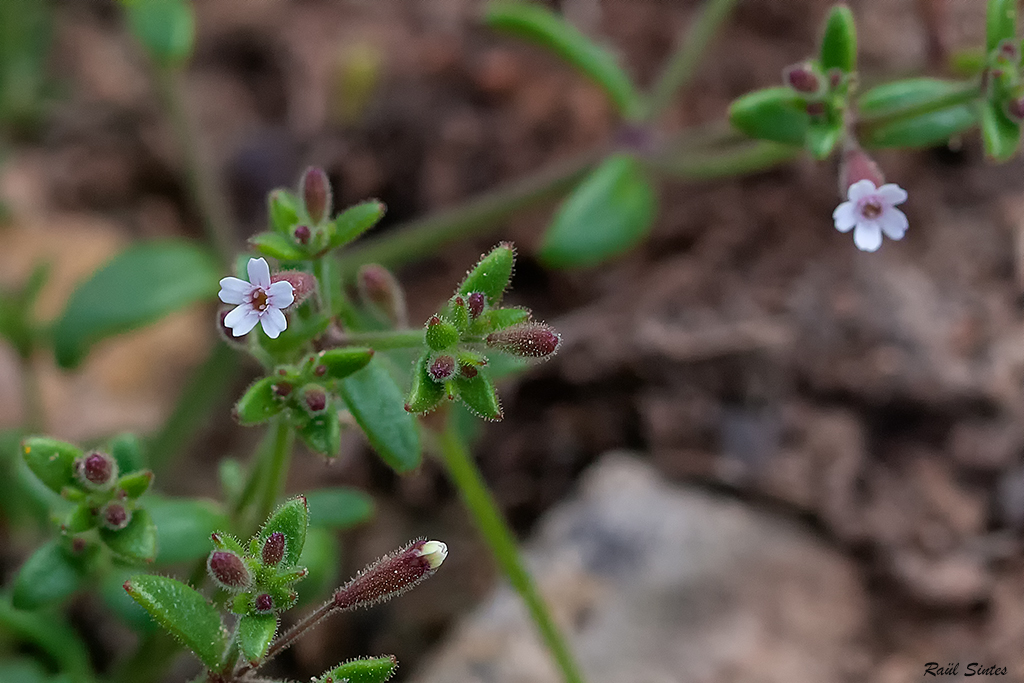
(746, 345)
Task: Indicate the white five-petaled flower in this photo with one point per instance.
(870, 212)
(259, 301)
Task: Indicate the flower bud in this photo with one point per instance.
(273, 549)
(459, 313)
(856, 166)
(314, 397)
(380, 290)
(803, 78)
(115, 516)
(392, 575)
(441, 334)
(228, 570)
(468, 371)
(532, 340)
(475, 302)
(303, 284)
(316, 194)
(441, 368)
(96, 471)
(302, 233)
(263, 604)
(281, 389)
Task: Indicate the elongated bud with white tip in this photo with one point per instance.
(391, 575)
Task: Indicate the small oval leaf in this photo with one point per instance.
(480, 396)
(166, 28)
(491, 274)
(276, 245)
(1000, 135)
(927, 130)
(255, 631)
(425, 394)
(291, 518)
(341, 363)
(839, 42)
(51, 460)
(776, 114)
(364, 670)
(1000, 22)
(354, 221)
(377, 404)
(322, 433)
(51, 574)
(137, 541)
(259, 403)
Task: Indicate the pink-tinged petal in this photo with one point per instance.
(236, 315)
(867, 236)
(259, 273)
(892, 194)
(845, 216)
(233, 290)
(245, 323)
(858, 191)
(281, 294)
(274, 322)
(893, 223)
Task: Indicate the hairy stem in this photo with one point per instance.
(323, 275)
(488, 519)
(275, 476)
(683, 63)
(749, 156)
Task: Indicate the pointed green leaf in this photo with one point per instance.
(888, 98)
(283, 207)
(341, 363)
(425, 394)
(51, 574)
(480, 396)
(822, 138)
(366, 670)
(255, 631)
(127, 451)
(927, 130)
(136, 483)
(354, 221)
(541, 26)
(499, 319)
(277, 245)
(839, 42)
(776, 114)
(492, 273)
(184, 612)
(51, 460)
(322, 433)
(80, 519)
(138, 286)
(321, 556)
(338, 508)
(1000, 135)
(137, 541)
(1000, 23)
(608, 213)
(377, 405)
(183, 527)
(259, 403)
(166, 28)
(291, 519)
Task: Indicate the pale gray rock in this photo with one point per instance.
(658, 583)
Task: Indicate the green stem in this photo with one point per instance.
(683, 63)
(397, 339)
(202, 182)
(323, 275)
(966, 94)
(475, 495)
(276, 474)
(746, 157)
(478, 216)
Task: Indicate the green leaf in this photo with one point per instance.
(50, 575)
(137, 541)
(259, 403)
(492, 273)
(48, 632)
(927, 130)
(608, 213)
(255, 631)
(80, 519)
(354, 221)
(138, 286)
(889, 98)
(341, 363)
(127, 451)
(776, 114)
(377, 404)
(166, 28)
(51, 460)
(500, 318)
(136, 483)
(425, 394)
(183, 527)
(822, 138)
(364, 670)
(480, 396)
(1000, 135)
(277, 245)
(1000, 22)
(284, 210)
(185, 613)
(291, 518)
(321, 556)
(839, 42)
(322, 433)
(338, 508)
(539, 25)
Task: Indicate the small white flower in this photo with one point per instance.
(259, 301)
(870, 212)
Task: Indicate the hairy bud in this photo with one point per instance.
(380, 290)
(96, 471)
(263, 603)
(392, 575)
(115, 516)
(303, 284)
(315, 398)
(441, 334)
(441, 368)
(302, 233)
(803, 78)
(273, 549)
(316, 194)
(228, 570)
(529, 340)
(475, 302)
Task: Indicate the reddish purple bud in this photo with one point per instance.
(96, 470)
(529, 340)
(302, 233)
(475, 302)
(1009, 51)
(441, 368)
(115, 516)
(315, 398)
(228, 570)
(856, 166)
(469, 371)
(316, 194)
(392, 575)
(303, 284)
(281, 389)
(273, 549)
(381, 291)
(803, 78)
(263, 604)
